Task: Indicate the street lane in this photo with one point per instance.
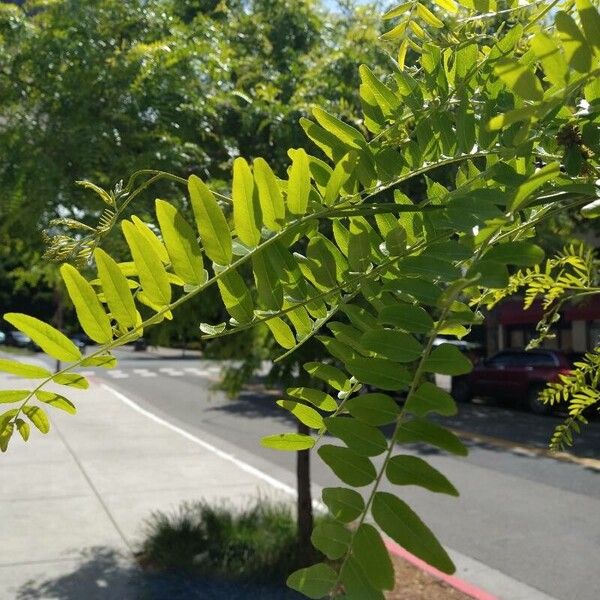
(534, 519)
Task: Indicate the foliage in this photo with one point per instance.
(570, 276)
(257, 543)
(334, 244)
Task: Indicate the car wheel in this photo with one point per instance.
(461, 390)
(536, 406)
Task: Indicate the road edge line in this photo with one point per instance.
(455, 582)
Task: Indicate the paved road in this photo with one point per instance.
(535, 519)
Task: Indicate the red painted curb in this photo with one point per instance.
(458, 584)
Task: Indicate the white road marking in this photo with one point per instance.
(244, 466)
(171, 371)
(144, 372)
(197, 371)
(117, 374)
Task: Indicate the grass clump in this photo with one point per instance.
(256, 544)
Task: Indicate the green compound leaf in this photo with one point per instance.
(290, 442)
(430, 398)
(404, 526)
(90, 313)
(350, 467)
(281, 332)
(344, 504)
(520, 78)
(71, 379)
(373, 409)
(23, 429)
(180, 241)
(305, 414)
(210, 220)
(49, 339)
(38, 417)
(370, 552)
(408, 317)
(358, 436)
(236, 297)
(151, 238)
(395, 345)
(318, 398)
(331, 538)
(106, 361)
(491, 274)
(6, 432)
(56, 401)
(314, 582)
(523, 254)
(116, 290)
(346, 134)
(422, 431)
(333, 376)
(537, 180)
(269, 195)
(577, 51)
(152, 274)
(8, 396)
(24, 370)
(299, 183)
(380, 372)
(447, 359)
(356, 584)
(246, 210)
(412, 470)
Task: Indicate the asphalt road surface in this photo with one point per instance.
(533, 518)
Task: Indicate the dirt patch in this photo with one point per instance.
(414, 584)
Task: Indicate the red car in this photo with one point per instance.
(513, 375)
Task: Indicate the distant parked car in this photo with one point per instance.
(2, 337)
(513, 375)
(18, 339)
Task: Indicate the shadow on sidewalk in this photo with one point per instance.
(104, 574)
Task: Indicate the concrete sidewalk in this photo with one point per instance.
(73, 503)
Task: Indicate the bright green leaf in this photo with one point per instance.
(404, 526)
(90, 313)
(350, 467)
(24, 370)
(358, 436)
(305, 414)
(291, 442)
(344, 504)
(49, 339)
(412, 470)
(373, 409)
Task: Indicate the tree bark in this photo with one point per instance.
(304, 501)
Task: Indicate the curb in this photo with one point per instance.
(455, 582)
(527, 450)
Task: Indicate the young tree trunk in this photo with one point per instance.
(58, 315)
(304, 502)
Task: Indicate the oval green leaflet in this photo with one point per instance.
(269, 195)
(344, 504)
(298, 187)
(49, 339)
(405, 527)
(246, 211)
(305, 414)
(24, 370)
(180, 241)
(151, 272)
(291, 442)
(350, 467)
(412, 470)
(116, 290)
(90, 313)
(210, 220)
